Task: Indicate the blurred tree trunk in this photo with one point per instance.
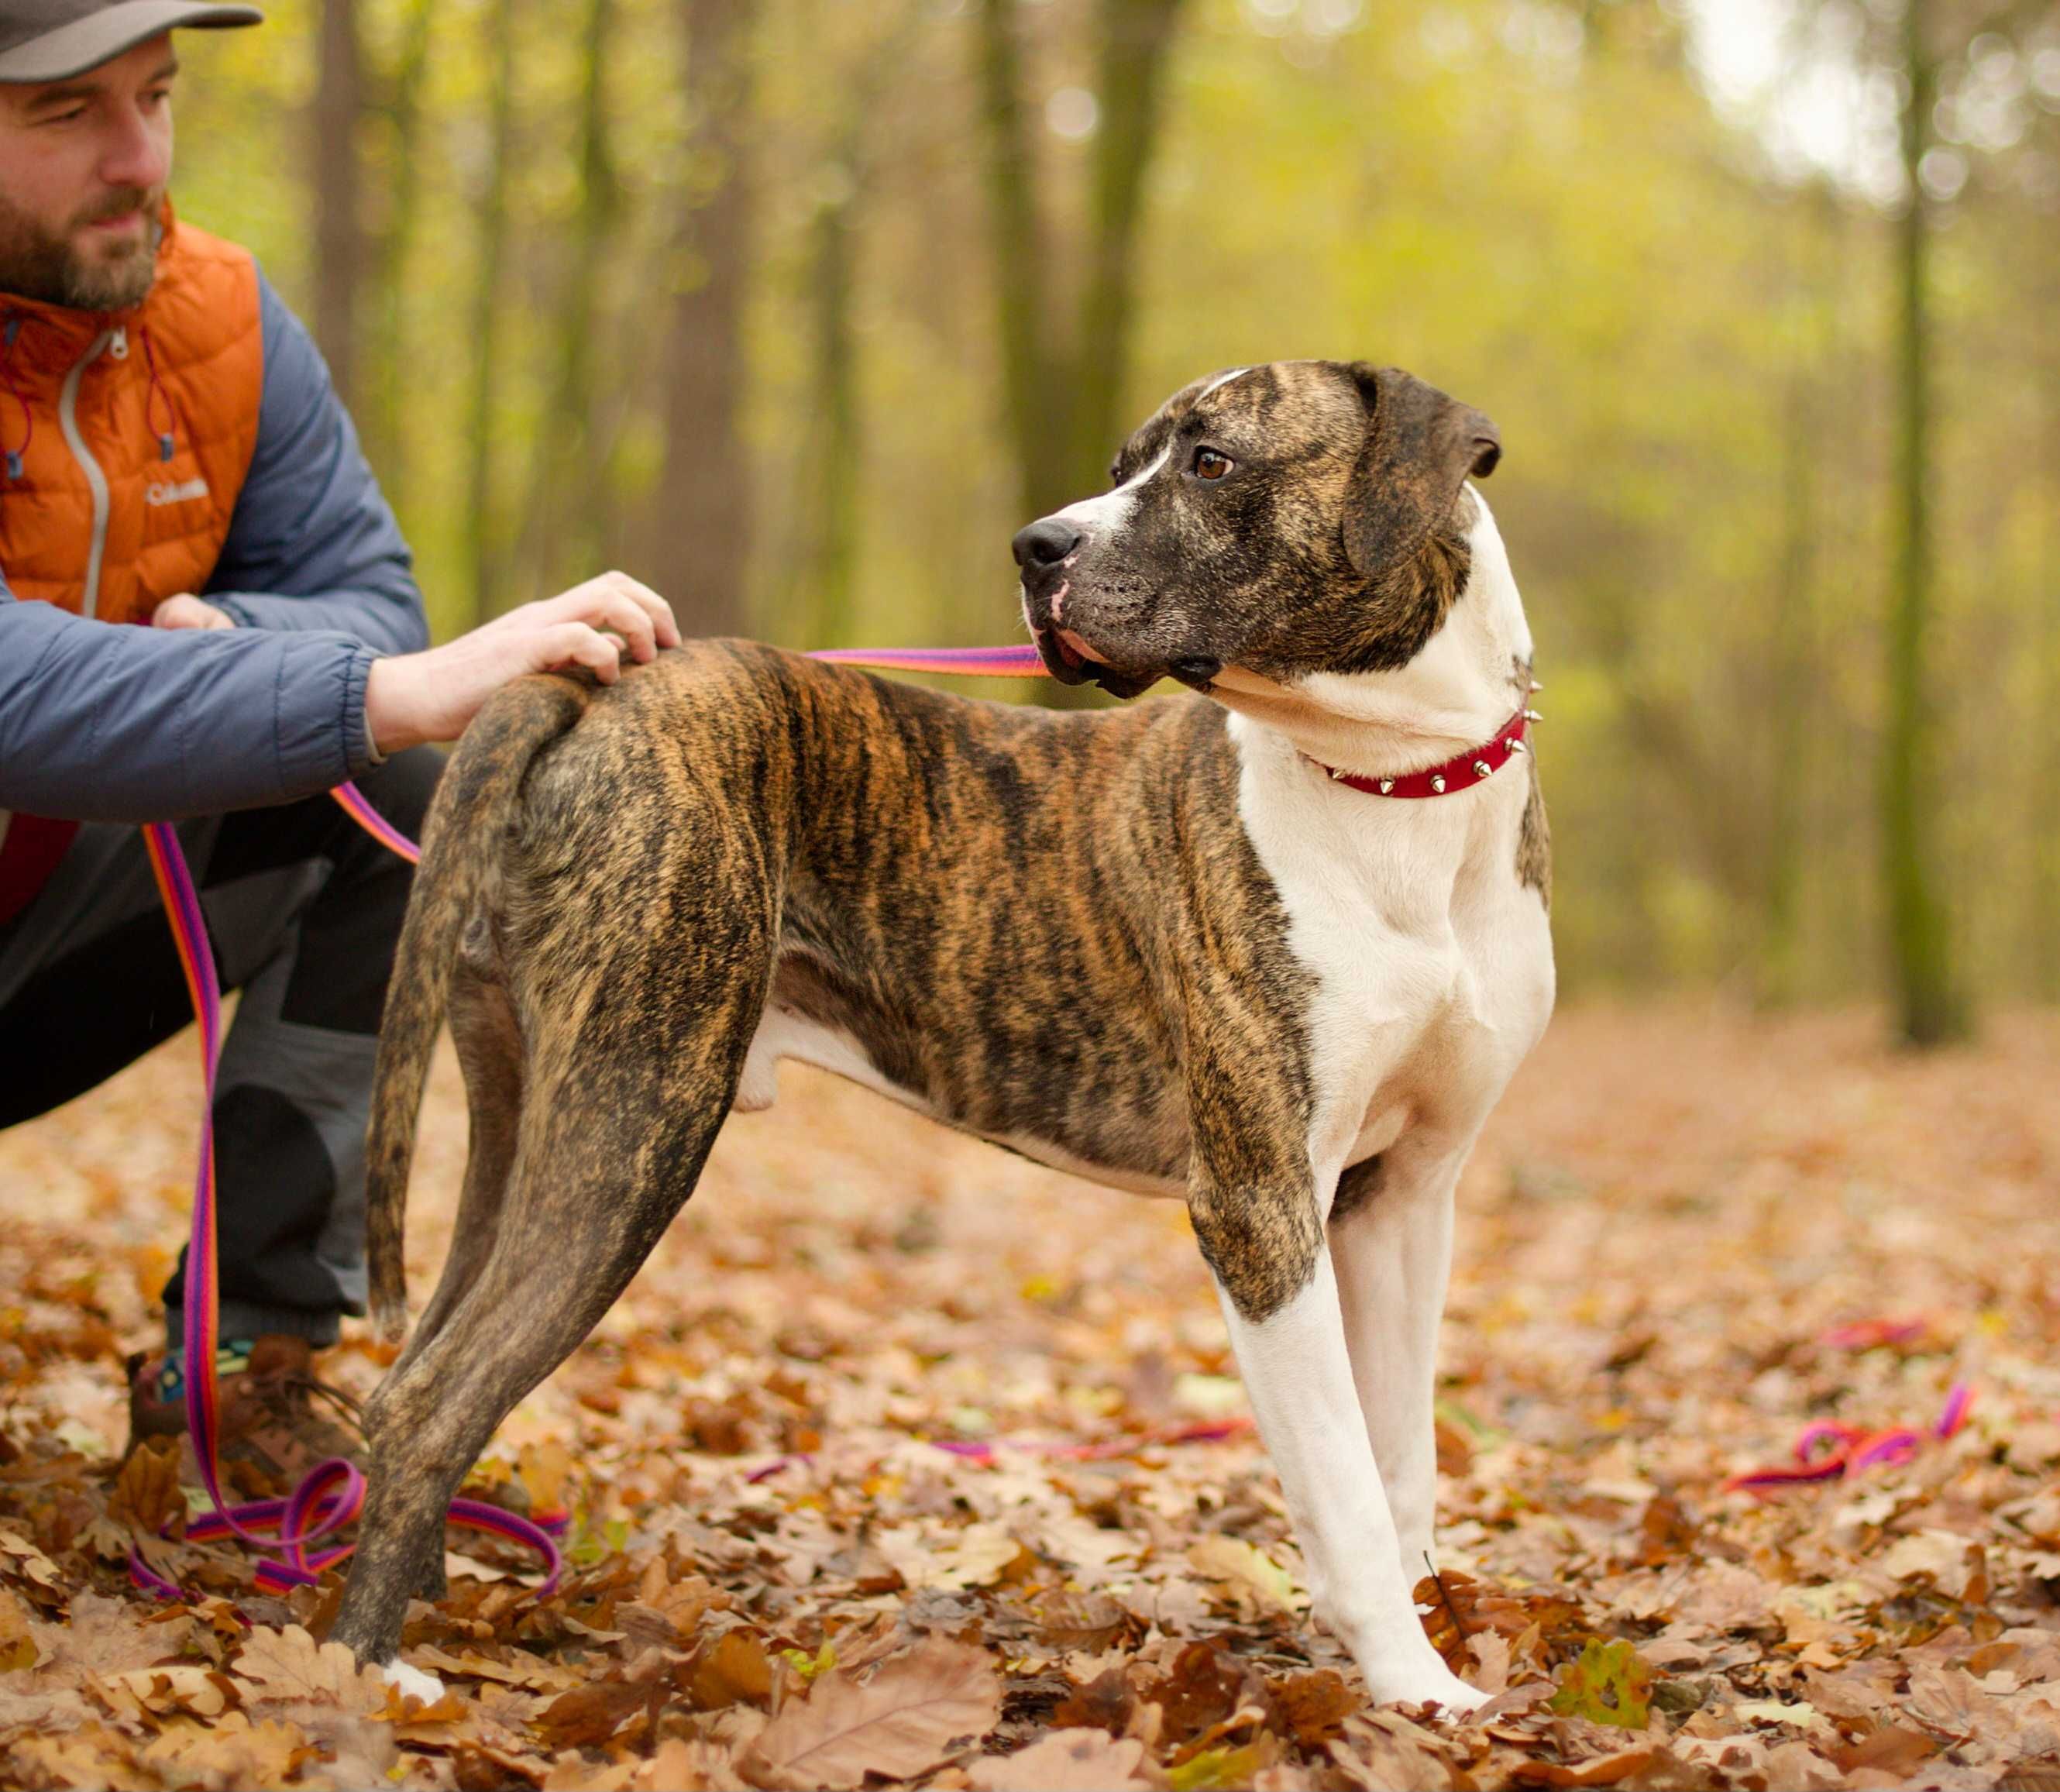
(340, 246)
(481, 523)
(697, 533)
(381, 420)
(2043, 916)
(1929, 1008)
(1033, 387)
(1816, 269)
(830, 574)
(1136, 35)
(1794, 678)
(570, 493)
(1064, 390)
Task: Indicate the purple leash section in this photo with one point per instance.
(287, 1534)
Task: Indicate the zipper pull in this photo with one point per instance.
(119, 347)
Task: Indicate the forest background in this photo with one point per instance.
(798, 310)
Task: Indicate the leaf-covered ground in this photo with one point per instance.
(1685, 1237)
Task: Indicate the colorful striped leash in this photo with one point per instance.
(284, 1532)
(1831, 1450)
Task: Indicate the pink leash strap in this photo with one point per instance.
(1831, 1450)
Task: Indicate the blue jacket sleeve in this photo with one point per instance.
(99, 723)
(312, 544)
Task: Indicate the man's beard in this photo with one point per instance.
(37, 264)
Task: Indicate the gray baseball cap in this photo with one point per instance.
(53, 40)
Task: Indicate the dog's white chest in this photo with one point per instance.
(1432, 962)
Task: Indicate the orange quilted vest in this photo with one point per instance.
(124, 438)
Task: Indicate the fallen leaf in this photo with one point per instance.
(18, 1648)
(1065, 1761)
(290, 1665)
(1609, 1684)
(1246, 1569)
(914, 1712)
(734, 1668)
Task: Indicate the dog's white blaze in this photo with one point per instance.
(1298, 1377)
(1108, 513)
(1221, 379)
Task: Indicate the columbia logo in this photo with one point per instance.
(162, 492)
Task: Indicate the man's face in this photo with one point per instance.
(83, 165)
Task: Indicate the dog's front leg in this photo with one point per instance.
(1279, 1291)
(1391, 1236)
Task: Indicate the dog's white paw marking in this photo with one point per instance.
(413, 1681)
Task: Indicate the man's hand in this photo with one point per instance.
(186, 611)
(414, 697)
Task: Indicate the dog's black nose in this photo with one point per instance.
(1044, 544)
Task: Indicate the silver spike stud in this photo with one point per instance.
(1482, 767)
(1337, 772)
(1516, 746)
(1387, 784)
(1532, 715)
(1535, 685)
(1437, 784)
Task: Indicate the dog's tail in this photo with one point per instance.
(461, 844)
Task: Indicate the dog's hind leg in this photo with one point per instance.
(585, 1205)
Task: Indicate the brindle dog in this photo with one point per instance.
(1163, 946)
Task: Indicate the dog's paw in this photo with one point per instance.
(1456, 1700)
(413, 1681)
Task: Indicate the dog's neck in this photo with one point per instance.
(1468, 681)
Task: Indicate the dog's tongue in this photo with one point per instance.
(1076, 650)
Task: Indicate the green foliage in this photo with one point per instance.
(1533, 203)
(1608, 1684)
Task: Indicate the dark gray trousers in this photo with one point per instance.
(303, 910)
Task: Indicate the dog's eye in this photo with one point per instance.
(1210, 465)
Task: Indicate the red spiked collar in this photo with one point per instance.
(1461, 772)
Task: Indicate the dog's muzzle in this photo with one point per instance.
(1045, 552)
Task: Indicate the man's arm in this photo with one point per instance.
(312, 544)
(105, 724)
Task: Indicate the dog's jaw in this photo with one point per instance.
(1457, 691)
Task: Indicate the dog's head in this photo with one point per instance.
(1288, 519)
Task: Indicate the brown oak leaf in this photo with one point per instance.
(914, 1712)
(290, 1667)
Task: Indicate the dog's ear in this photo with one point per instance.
(1421, 447)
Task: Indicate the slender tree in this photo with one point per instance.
(1137, 37)
(1929, 1010)
(340, 245)
(481, 523)
(1064, 387)
(698, 528)
(382, 422)
(570, 493)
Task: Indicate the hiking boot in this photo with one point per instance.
(271, 1430)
